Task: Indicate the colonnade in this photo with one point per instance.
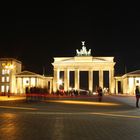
(66, 81)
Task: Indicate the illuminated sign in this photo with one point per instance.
(7, 65)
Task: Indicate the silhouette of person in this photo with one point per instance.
(100, 93)
(137, 93)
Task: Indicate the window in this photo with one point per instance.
(3, 79)
(7, 88)
(8, 71)
(5, 71)
(7, 79)
(2, 88)
(25, 81)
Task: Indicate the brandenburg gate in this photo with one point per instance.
(83, 61)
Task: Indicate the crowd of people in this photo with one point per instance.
(100, 92)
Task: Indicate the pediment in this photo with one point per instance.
(27, 73)
(137, 72)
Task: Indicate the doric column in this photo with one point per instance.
(66, 80)
(131, 84)
(22, 84)
(116, 86)
(50, 86)
(29, 81)
(134, 86)
(55, 80)
(90, 80)
(35, 81)
(101, 78)
(111, 80)
(77, 79)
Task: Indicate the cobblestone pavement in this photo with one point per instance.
(115, 118)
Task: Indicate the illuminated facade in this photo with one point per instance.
(127, 83)
(9, 67)
(83, 61)
(30, 79)
(98, 69)
(13, 80)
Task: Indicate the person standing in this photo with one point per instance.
(137, 93)
(100, 93)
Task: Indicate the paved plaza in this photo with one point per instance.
(75, 118)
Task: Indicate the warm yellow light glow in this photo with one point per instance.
(10, 126)
(137, 81)
(59, 82)
(3, 79)
(115, 115)
(5, 71)
(7, 79)
(14, 107)
(84, 102)
(8, 115)
(9, 66)
(131, 85)
(11, 98)
(3, 64)
(131, 82)
(25, 81)
(7, 88)
(2, 88)
(32, 82)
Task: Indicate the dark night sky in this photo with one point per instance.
(36, 35)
